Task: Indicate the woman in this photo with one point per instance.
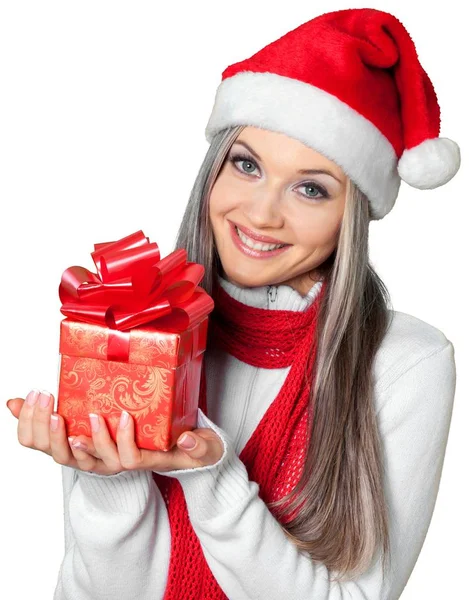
(324, 414)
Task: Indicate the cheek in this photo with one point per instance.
(319, 231)
(226, 195)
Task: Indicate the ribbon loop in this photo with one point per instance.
(133, 286)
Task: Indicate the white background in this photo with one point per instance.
(102, 117)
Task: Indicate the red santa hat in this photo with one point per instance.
(348, 84)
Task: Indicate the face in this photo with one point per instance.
(274, 190)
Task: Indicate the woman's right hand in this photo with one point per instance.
(104, 456)
(36, 420)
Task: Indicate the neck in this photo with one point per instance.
(286, 297)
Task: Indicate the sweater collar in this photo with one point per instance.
(281, 297)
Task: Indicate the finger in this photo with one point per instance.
(14, 405)
(82, 442)
(25, 419)
(59, 445)
(130, 455)
(103, 443)
(85, 461)
(41, 421)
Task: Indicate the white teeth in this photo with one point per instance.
(257, 245)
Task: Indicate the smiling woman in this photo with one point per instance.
(324, 414)
(261, 192)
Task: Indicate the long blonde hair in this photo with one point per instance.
(342, 514)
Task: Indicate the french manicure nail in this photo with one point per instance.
(187, 442)
(54, 422)
(124, 419)
(44, 399)
(94, 420)
(32, 397)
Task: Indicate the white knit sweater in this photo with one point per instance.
(117, 535)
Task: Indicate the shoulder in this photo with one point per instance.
(408, 342)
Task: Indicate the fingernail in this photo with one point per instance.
(94, 420)
(187, 442)
(79, 446)
(44, 399)
(54, 422)
(124, 419)
(32, 397)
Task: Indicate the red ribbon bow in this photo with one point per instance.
(132, 287)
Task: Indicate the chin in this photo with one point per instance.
(244, 281)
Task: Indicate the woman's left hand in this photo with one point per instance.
(103, 456)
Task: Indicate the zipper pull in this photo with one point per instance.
(272, 293)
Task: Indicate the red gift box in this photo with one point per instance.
(133, 340)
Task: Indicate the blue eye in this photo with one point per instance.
(314, 190)
(248, 165)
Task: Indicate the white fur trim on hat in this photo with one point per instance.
(430, 164)
(319, 120)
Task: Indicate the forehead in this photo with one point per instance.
(284, 151)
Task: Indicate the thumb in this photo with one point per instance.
(202, 444)
(187, 441)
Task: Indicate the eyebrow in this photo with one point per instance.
(301, 171)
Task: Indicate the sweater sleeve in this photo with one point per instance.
(117, 537)
(248, 551)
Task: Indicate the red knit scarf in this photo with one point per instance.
(274, 454)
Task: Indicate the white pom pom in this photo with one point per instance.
(430, 164)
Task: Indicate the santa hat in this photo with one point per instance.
(348, 84)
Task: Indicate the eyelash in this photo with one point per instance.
(234, 158)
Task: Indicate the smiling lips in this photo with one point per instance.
(258, 237)
(255, 248)
(255, 244)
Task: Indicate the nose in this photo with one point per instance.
(263, 209)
